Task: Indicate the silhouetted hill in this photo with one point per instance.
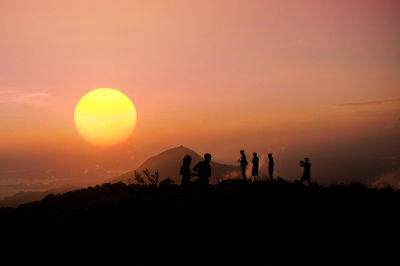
(29, 196)
(236, 223)
(168, 164)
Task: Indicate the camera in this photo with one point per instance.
(301, 163)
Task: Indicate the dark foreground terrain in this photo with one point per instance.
(236, 222)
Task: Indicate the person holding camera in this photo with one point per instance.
(307, 170)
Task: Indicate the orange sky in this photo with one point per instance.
(212, 75)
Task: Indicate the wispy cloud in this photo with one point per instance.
(367, 103)
(35, 99)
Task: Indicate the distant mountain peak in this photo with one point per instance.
(174, 152)
(182, 147)
(178, 148)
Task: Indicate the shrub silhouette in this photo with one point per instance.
(148, 178)
(152, 179)
(138, 178)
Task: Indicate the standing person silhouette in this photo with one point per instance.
(204, 171)
(307, 170)
(254, 171)
(185, 171)
(243, 163)
(271, 166)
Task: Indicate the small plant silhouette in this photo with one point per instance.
(152, 179)
(146, 178)
(138, 178)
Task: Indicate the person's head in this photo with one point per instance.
(269, 155)
(242, 152)
(306, 159)
(187, 159)
(255, 154)
(207, 157)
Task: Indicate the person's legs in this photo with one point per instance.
(254, 174)
(271, 172)
(244, 173)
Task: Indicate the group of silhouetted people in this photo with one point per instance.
(203, 169)
(255, 161)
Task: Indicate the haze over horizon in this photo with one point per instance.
(295, 78)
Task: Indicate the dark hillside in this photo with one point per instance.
(237, 222)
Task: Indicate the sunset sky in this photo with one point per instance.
(296, 78)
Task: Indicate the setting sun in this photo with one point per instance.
(105, 117)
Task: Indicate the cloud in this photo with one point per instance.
(33, 99)
(368, 103)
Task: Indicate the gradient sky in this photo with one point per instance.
(296, 78)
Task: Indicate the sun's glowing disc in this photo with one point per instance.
(105, 117)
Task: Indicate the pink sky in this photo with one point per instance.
(213, 75)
